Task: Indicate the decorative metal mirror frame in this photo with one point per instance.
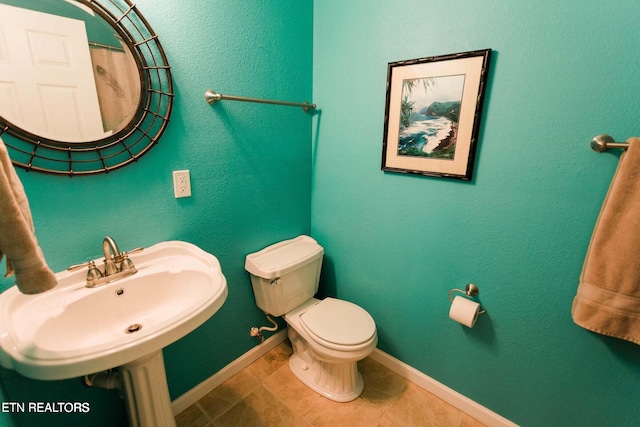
(35, 153)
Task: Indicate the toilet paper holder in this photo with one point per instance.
(470, 290)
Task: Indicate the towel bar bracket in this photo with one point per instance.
(602, 143)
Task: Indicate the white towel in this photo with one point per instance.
(17, 241)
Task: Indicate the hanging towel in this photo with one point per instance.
(17, 241)
(608, 297)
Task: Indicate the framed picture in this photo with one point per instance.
(432, 114)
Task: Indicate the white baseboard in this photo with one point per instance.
(434, 387)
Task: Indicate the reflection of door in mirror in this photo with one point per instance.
(47, 77)
(65, 74)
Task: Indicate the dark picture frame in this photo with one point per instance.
(432, 114)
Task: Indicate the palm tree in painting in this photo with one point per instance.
(406, 106)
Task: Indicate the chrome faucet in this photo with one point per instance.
(117, 265)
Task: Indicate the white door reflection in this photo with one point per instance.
(47, 84)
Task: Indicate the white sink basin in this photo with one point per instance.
(72, 330)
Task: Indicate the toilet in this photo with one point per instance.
(328, 336)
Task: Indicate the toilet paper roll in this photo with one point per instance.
(464, 311)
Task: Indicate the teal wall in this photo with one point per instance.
(561, 73)
(250, 173)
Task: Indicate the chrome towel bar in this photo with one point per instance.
(211, 97)
(603, 142)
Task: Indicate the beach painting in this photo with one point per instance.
(429, 116)
(433, 114)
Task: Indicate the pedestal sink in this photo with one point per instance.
(72, 330)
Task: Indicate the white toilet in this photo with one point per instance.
(328, 336)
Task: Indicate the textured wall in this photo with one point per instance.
(561, 73)
(250, 173)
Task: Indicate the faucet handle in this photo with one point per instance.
(93, 273)
(133, 251)
(79, 266)
(126, 263)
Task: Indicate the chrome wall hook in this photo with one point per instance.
(471, 291)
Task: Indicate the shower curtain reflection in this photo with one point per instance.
(118, 85)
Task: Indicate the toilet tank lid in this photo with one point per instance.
(283, 257)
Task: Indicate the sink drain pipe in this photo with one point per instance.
(257, 332)
(106, 379)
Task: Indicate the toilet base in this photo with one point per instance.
(340, 382)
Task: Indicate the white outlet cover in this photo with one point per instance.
(181, 184)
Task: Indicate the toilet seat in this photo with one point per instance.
(339, 325)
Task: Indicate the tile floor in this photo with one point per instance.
(267, 394)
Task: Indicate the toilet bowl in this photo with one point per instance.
(328, 336)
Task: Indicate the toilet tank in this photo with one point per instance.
(286, 274)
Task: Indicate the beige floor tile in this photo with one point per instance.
(268, 364)
(381, 386)
(468, 421)
(357, 413)
(193, 416)
(292, 391)
(228, 393)
(299, 422)
(260, 408)
(387, 421)
(417, 407)
(267, 394)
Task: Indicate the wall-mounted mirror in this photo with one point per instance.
(85, 86)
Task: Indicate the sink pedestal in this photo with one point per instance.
(146, 392)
